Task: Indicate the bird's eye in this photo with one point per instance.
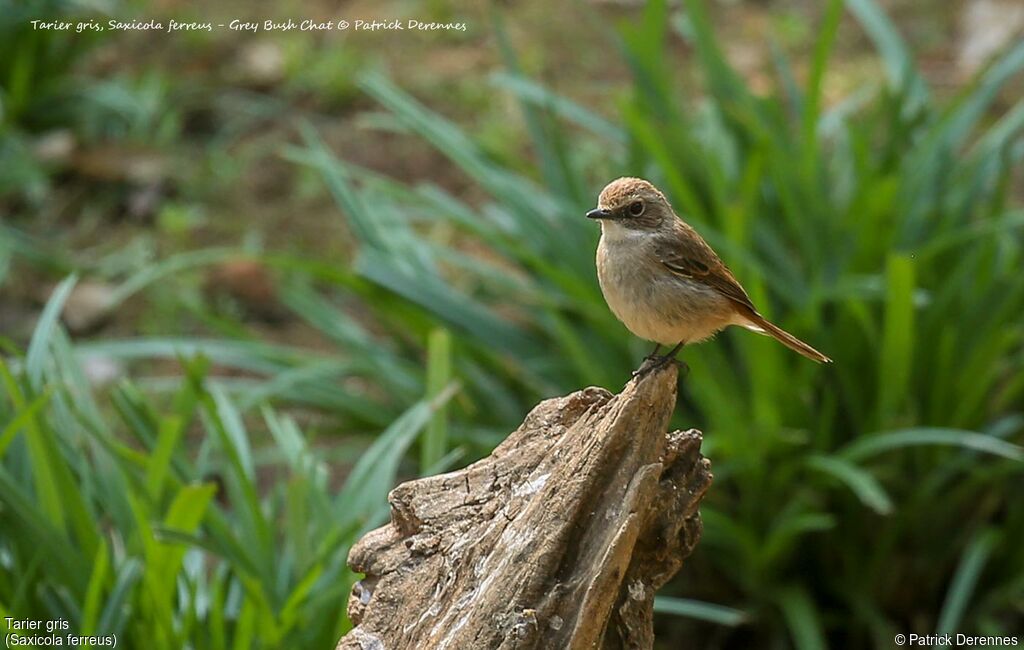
(636, 208)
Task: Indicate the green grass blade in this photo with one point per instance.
(977, 100)
(170, 266)
(549, 144)
(93, 594)
(119, 607)
(965, 580)
(39, 346)
(899, 64)
(860, 482)
(23, 415)
(699, 610)
(335, 175)
(43, 455)
(236, 438)
(434, 443)
(292, 610)
(35, 526)
(802, 618)
(724, 81)
(896, 356)
(362, 498)
(534, 93)
(878, 443)
(184, 515)
(448, 305)
(812, 99)
(159, 462)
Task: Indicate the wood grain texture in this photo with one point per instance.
(558, 539)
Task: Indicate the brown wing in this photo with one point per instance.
(686, 254)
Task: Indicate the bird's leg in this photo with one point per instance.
(654, 353)
(671, 356)
(654, 362)
(650, 361)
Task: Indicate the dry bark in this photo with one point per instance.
(558, 539)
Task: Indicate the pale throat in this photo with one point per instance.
(616, 232)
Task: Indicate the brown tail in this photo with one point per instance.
(764, 326)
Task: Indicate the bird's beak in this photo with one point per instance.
(598, 213)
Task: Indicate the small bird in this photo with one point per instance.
(663, 281)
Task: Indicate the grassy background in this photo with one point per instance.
(320, 271)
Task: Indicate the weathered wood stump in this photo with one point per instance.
(558, 539)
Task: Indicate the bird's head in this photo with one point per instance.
(631, 204)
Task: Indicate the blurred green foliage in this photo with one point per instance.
(853, 501)
(35, 92)
(155, 522)
(35, 64)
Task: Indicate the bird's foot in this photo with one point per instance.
(654, 362)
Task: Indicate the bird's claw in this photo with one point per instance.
(654, 362)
